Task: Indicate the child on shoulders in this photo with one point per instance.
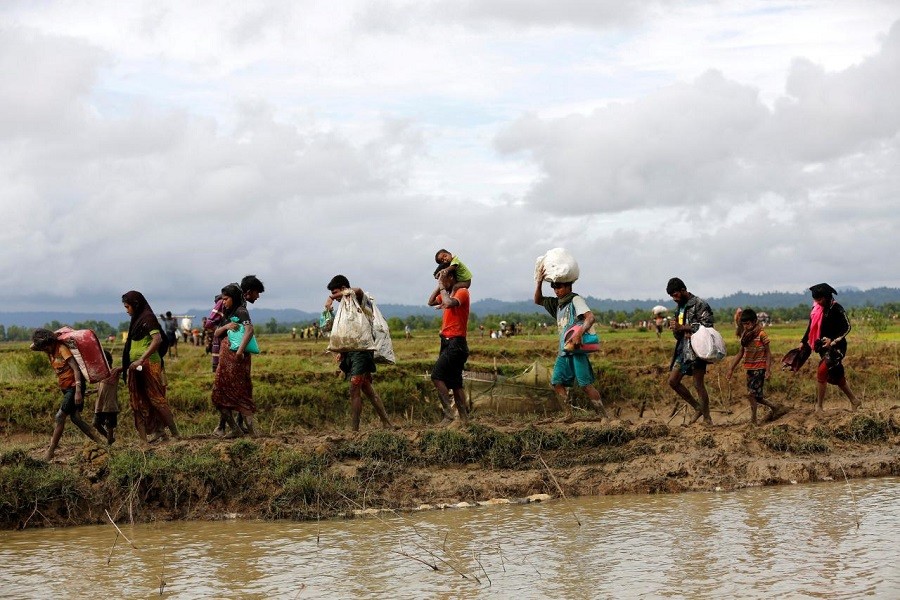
(447, 263)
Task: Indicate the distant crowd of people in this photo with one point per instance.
(228, 334)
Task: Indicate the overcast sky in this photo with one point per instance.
(172, 147)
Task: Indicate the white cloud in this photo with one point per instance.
(173, 147)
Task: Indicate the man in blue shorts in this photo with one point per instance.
(570, 367)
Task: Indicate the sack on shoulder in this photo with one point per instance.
(384, 347)
(352, 328)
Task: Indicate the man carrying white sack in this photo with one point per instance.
(570, 367)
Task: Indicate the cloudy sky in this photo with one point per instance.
(172, 147)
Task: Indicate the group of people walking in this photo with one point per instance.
(146, 346)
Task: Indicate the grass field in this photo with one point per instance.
(296, 385)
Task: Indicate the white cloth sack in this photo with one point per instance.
(384, 347)
(352, 328)
(559, 266)
(708, 344)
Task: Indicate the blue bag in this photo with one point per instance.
(236, 336)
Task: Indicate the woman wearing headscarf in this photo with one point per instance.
(827, 335)
(145, 373)
(232, 387)
(71, 382)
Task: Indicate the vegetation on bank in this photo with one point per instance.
(265, 478)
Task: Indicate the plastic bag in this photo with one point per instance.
(559, 266)
(326, 320)
(236, 336)
(352, 327)
(708, 344)
(384, 347)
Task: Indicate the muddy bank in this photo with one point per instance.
(329, 474)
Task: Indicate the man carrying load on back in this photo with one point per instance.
(71, 382)
(690, 314)
(567, 308)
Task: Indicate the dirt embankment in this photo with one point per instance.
(334, 473)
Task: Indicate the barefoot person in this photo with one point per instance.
(568, 308)
(827, 333)
(145, 373)
(71, 383)
(690, 314)
(446, 375)
(233, 387)
(106, 409)
(359, 365)
(757, 360)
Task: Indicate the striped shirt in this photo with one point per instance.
(756, 353)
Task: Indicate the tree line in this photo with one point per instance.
(877, 317)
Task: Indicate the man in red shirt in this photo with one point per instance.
(447, 371)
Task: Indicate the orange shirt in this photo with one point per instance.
(63, 371)
(456, 318)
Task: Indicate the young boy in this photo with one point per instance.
(71, 383)
(757, 359)
(106, 410)
(451, 264)
(570, 368)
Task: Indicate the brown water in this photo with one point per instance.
(785, 542)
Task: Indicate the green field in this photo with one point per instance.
(296, 387)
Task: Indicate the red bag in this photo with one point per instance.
(87, 351)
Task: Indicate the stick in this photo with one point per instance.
(678, 409)
(561, 492)
(119, 530)
(432, 566)
(852, 495)
(109, 558)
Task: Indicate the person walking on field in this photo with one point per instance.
(357, 365)
(690, 314)
(827, 333)
(232, 386)
(446, 375)
(71, 383)
(568, 308)
(142, 361)
(757, 359)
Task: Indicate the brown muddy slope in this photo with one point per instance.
(332, 473)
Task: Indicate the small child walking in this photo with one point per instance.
(106, 409)
(757, 359)
(447, 263)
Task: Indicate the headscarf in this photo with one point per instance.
(233, 291)
(822, 290)
(143, 321)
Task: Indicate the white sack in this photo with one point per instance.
(384, 347)
(352, 328)
(708, 344)
(559, 266)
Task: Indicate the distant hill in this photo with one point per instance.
(488, 306)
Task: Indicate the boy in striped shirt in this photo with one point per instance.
(757, 360)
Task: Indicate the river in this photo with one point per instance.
(830, 540)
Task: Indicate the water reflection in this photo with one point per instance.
(798, 542)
